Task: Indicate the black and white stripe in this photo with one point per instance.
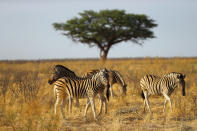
(60, 71)
(155, 85)
(82, 88)
(114, 78)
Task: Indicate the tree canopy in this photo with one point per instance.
(107, 28)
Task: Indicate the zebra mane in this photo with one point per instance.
(96, 75)
(173, 74)
(60, 71)
(90, 73)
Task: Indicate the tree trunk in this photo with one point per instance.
(103, 55)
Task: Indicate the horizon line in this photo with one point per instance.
(94, 58)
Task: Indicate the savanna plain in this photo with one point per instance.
(27, 100)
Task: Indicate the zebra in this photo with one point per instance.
(60, 71)
(114, 78)
(89, 87)
(155, 85)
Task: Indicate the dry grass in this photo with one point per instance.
(27, 101)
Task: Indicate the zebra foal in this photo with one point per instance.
(155, 85)
(81, 88)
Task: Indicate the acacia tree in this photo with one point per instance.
(107, 28)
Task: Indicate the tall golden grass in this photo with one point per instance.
(27, 100)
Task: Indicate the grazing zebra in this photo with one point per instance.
(82, 88)
(154, 85)
(114, 78)
(60, 71)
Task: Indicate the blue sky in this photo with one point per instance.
(26, 30)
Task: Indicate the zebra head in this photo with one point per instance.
(181, 81)
(51, 80)
(179, 78)
(124, 88)
(53, 77)
(60, 71)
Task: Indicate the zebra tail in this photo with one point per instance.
(142, 95)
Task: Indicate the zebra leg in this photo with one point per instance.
(62, 108)
(105, 101)
(77, 104)
(111, 90)
(164, 105)
(144, 105)
(147, 101)
(168, 98)
(87, 106)
(70, 104)
(57, 103)
(102, 99)
(101, 106)
(93, 106)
